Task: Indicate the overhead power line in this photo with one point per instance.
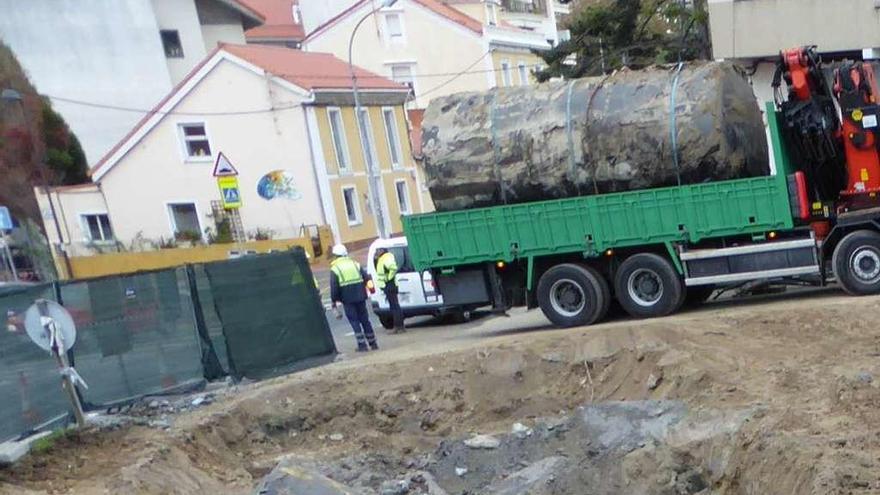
(452, 76)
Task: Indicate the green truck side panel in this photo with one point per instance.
(591, 224)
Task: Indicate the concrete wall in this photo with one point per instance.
(433, 45)
(219, 24)
(316, 12)
(182, 17)
(760, 28)
(155, 172)
(116, 263)
(92, 51)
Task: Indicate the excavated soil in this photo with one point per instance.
(773, 397)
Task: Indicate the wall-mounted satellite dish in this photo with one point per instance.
(38, 326)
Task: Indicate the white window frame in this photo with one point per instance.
(412, 74)
(407, 199)
(87, 232)
(491, 13)
(346, 155)
(371, 139)
(398, 40)
(359, 219)
(523, 71)
(173, 224)
(184, 150)
(506, 74)
(394, 144)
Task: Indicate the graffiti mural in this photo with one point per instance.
(278, 184)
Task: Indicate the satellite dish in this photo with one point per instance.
(37, 325)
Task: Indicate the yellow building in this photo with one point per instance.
(282, 121)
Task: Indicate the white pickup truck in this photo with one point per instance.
(417, 293)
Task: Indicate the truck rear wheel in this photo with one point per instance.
(856, 263)
(573, 295)
(648, 286)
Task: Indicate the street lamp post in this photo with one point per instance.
(372, 174)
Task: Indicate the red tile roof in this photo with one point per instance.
(279, 21)
(435, 6)
(246, 7)
(310, 70)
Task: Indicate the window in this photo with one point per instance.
(352, 208)
(340, 146)
(394, 29)
(171, 43)
(505, 73)
(369, 145)
(297, 16)
(403, 74)
(97, 227)
(523, 74)
(402, 197)
(185, 220)
(195, 141)
(390, 120)
(491, 14)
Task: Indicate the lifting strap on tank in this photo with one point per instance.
(587, 126)
(495, 150)
(569, 132)
(672, 126)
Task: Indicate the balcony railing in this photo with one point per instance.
(538, 7)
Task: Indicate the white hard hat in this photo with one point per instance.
(339, 250)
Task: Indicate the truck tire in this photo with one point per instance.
(856, 263)
(648, 286)
(573, 295)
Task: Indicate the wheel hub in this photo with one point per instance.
(567, 297)
(865, 263)
(645, 287)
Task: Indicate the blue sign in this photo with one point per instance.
(5, 219)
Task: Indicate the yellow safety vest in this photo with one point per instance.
(386, 269)
(347, 271)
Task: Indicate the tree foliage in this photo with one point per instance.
(36, 146)
(610, 34)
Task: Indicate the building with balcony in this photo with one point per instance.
(753, 32)
(438, 47)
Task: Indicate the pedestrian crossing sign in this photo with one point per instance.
(229, 191)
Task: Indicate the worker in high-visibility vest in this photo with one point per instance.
(386, 271)
(348, 287)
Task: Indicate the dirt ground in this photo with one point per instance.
(773, 396)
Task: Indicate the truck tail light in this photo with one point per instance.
(797, 193)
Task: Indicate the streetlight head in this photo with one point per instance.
(10, 95)
(388, 3)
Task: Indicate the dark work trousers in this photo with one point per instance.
(359, 318)
(394, 305)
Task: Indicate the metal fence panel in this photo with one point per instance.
(270, 311)
(29, 381)
(135, 334)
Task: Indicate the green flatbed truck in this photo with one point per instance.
(649, 249)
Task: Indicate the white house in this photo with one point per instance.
(284, 120)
